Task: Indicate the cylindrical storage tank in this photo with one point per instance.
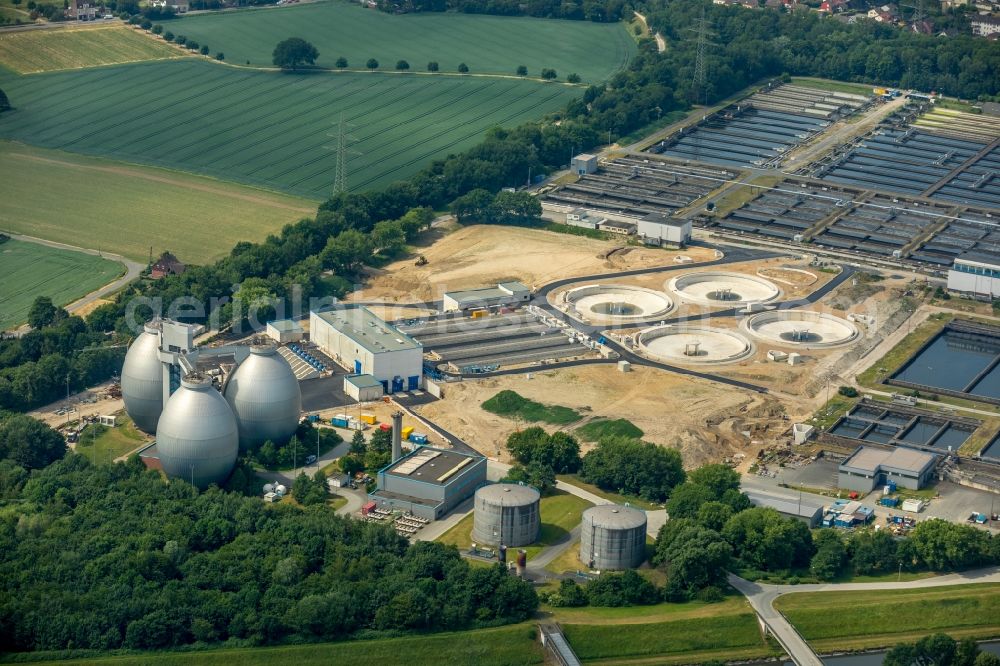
(265, 398)
(196, 437)
(613, 537)
(506, 513)
(142, 379)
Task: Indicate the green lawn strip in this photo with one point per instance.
(102, 444)
(606, 641)
(598, 428)
(887, 612)
(833, 86)
(29, 270)
(506, 646)
(658, 124)
(486, 44)
(260, 128)
(512, 405)
(576, 480)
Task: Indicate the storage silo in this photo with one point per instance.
(613, 537)
(196, 438)
(265, 398)
(506, 513)
(142, 379)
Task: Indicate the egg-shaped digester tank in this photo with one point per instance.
(507, 514)
(142, 379)
(196, 437)
(265, 398)
(613, 537)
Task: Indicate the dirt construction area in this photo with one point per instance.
(705, 421)
(483, 255)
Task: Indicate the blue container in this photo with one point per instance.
(340, 423)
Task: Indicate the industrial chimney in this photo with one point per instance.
(397, 435)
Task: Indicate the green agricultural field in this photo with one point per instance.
(506, 646)
(266, 128)
(29, 270)
(128, 209)
(32, 51)
(487, 44)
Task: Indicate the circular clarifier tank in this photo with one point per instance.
(694, 344)
(801, 328)
(719, 288)
(618, 302)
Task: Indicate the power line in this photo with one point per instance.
(342, 150)
(703, 29)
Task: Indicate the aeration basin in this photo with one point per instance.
(718, 288)
(802, 328)
(618, 302)
(693, 344)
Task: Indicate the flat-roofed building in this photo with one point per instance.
(429, 482)
(367, 345)
(363, 388)
(505, 294)
(869, 467)
(284, 331)
(583, 164)
(806, 509)
(661, 229)
(975, 274)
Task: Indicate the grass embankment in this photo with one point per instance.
(576, 480)
(833, 86)
(102, 444)
(506, 646)
(669, 118)
(859, 620)
(198, 219)
(898, 355)
(486, 44)
(560, 513)
(33, 51)
(29, 270)
(741, 195)
(725, 631)
(598, 428)
(515, 406)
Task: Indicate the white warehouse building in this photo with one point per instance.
(977, 275)
(366, 345)
(660, 229)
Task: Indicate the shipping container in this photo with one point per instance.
(384, 426)
(479, 314)
(405, 432)
(368, 418)
(339, 423)
(367, 508)
(418, 438)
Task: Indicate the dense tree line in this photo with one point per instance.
(633, 467)
(753, 45)
(112, 557)
(601, 11)
(714, 529)
(940, 650)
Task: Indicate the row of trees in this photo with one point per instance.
(579, 10)
(152, 565)
(713, 529)
(940, 650)
(618, 464)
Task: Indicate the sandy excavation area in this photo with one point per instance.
(704, 420)
(483, 255)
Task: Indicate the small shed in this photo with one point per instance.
(363, 388)
(583, 164)
(284, 331)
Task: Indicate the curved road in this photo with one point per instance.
(761, 597)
